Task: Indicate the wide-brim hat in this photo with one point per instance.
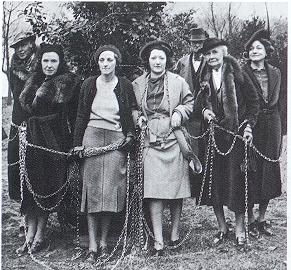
(211, 43)
(198, 34)
(22, 36)
(261, 35)
(155, 44)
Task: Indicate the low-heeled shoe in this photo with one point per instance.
(253, 229)
(264, 229)
(220, 237)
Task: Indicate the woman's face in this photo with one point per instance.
(214, 57)
(157, 61)
(107, 62)
(50, 62)
(257, 51)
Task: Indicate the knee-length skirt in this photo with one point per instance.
(104, 176)
(166, 172)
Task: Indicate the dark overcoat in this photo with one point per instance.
(185, 69)
(17, 78)
(267, 136)
(239, 103)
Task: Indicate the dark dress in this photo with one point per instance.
(267, 135)
(237, 101)
(50, 125)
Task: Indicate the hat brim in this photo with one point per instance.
(203, 50)
(13, 45)
(146, 49)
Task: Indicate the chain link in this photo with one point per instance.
(134, 234)
(246, 191)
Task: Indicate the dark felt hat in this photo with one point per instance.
(108, 47)
(44, 48)
(155, 44)
(22, 36)
(198, 34)
(211, 43)
(263, 36)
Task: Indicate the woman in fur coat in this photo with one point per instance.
(268, 129)
(50, 97)
(227, 97)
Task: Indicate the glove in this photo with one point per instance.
(176, 119)
(127, 144)
(142, 122)
(248, 135)
(209, 115)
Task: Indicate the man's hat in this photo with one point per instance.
(211, 43)
(198, 34)
(22, 36)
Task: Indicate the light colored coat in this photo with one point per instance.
(180, 95)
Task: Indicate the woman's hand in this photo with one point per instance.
(248, 135)
(176, 120)
(142, 122)
(127, 144)
(76, 153)
(208, 115)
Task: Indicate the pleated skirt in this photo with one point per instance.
(104, 176)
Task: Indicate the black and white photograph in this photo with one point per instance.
(144, 135)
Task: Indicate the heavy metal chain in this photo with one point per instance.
(246, 191)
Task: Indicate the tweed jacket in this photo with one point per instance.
(126, 102)
(180, 96)
(239, 98)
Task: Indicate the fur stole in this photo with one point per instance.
(232, 76)
(55, 90)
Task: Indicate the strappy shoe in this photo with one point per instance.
(104, 252)
(253, 229)
(263, 228)
(157, 252)
(24, 248)
(220, 237)
(240, 242)
(91, 256)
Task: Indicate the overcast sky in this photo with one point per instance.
(243, 10)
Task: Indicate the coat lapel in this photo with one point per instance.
(272, 82)
(255, 81)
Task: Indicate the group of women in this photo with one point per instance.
(111, 109)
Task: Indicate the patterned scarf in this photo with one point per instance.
(23, 68)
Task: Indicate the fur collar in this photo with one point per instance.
(59, 89)
(232, 75)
